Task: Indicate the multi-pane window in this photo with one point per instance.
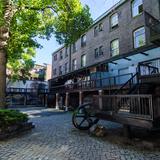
(95, 31)
(83, 40)
(54, 71)
(101, 50)
(100, 27)
(66, 52)
(66, 68)
(114, 20)
(83, 60)
(60, 70)
(139, 37)
(137, 7)
(55, 57)
(115, 47)
(98, 52)
(61, 55)
(74, 47)
(74, 64)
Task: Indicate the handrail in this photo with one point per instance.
(130, 81)
(151, 68)
(26, 90)
(138, 106)
(93, 83)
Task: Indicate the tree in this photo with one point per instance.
(72, 23)
(21, 21)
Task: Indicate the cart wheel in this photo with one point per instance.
(82, 119)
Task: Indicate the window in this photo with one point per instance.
(83, 60)
(137, 7)
(114, 47)
(60, 70)
(61, 55)
(83, 40)
(74, 47)
(66, 67)
(100, 27)
(74, 64)
(139, 37)
(100, 50)
(114, 20)
(96, 52)
(95, 31)
(54, 71)
(66, 52)
(55, 57)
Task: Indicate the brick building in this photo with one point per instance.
(109, 53)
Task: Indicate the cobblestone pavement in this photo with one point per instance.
(54, 138)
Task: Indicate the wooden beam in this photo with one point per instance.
(128, 59)
(113, 62)
(145, 54)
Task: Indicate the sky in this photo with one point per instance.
(97, 8)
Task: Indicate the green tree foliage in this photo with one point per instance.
(70, 24)
(22, 21)
(40, 18)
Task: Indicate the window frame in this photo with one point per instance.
(112, 26)
(66, 52)
(60, 70)
(101, 50)
(74, 65)
(83, 43)
(55, 71)
(132, 10)
(74, 47)
(82, 64)
(96, 30)
(55, 57)
(118, 49)
(100, 27)
(96, 52)
(134, 38)
(61, 55)
(66, 67)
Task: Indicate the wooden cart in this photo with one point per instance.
(130, 110)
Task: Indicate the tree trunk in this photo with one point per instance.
(2, 77)
(4, 37)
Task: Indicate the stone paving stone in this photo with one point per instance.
(55, 138)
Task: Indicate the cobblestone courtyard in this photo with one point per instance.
(54, 138)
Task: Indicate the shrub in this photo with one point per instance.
(11, 117)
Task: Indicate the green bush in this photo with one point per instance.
(11, 117)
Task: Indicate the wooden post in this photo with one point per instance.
(127, 131)
(11, 102)
(100, 99)
(25, 100)
(66, 101)
(46, 100)
(80, 98)
(57, 103)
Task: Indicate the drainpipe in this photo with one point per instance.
(70, 57)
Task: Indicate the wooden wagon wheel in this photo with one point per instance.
(82, 118)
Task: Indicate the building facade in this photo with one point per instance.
(32, 91)
(120, 39)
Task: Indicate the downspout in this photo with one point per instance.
(70, 52)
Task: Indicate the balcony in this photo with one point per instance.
(154, 26)
(149, 71)
(109, 83)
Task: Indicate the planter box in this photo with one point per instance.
(14, 130)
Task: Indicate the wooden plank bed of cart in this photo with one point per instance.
(130, 110)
